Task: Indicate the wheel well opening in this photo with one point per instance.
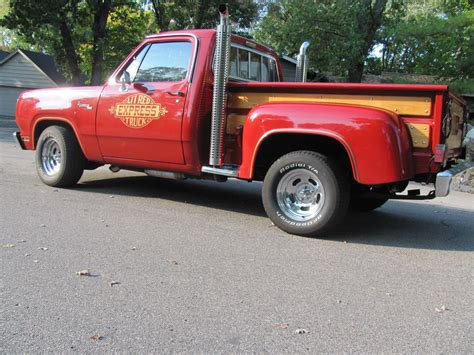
(42, 125)
(279, 144)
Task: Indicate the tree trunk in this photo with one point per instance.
(71, 55)
(160, 15)
(199, 15)
(101, 14)
(368, 20)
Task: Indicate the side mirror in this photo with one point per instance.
(126, 76)
(125, 80)
(144, 88)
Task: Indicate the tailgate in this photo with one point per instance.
(453, 125)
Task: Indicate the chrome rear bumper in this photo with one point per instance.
(444, 179)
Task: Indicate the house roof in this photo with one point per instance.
(289, 59)
(3, 54)
(43, 62)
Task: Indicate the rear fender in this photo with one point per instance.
(376, 141)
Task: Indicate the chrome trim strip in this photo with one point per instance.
(224, 171)
(444, 179)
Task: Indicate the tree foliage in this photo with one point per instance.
(185, 14)
(88, 38)
(430, 37)
(342, 33)
(84, 36)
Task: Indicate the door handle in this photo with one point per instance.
(175, 93)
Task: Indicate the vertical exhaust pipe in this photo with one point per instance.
(219, 97)
(302, 63)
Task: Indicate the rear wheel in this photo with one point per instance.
(305, 193)
(59, 159)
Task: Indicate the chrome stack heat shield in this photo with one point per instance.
(219, 99)
(302, 63)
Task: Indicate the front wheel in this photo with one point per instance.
(305, 193)
(59, 158)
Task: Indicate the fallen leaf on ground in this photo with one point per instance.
(174, 262)
(97, 337)
(8, 245)
(83, 273)
(338, 301)
(301, 331)
(43, 248)
(282, 325)
(42, 225)
(442, 309)
(114, 283)
(133, 248)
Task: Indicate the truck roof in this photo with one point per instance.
(206, 33)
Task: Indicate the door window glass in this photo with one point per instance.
(134, 64)
(165, 61)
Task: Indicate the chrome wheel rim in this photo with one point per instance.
(300, 195)
(51, 157)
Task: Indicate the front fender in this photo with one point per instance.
(75, 107)
(376, 141)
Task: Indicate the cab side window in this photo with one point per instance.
(248, 65)
(162, 61)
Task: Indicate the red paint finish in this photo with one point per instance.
(159, 140)
(61, 104)
(376, 141)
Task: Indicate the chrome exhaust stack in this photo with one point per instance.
(219, 97)
(302, 63)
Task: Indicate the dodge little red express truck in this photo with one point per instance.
(211, 105)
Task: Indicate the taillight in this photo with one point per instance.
(440, 153)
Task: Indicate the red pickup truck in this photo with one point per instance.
(208, 104)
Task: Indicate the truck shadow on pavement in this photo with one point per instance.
(403, 224)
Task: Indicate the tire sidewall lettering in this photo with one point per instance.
(290, 222)
(299, 165)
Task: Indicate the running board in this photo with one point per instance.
(411, 195)
(229, 171)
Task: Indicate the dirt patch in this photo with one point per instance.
(465, 182)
